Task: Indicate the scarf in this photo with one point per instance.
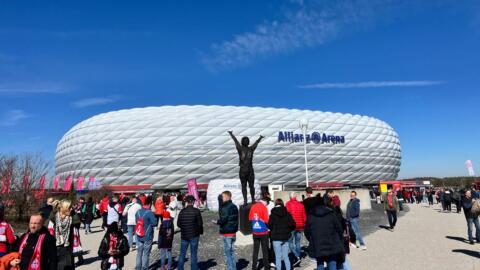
(62, 230)
(390, 200)
(112, 245)
(34, 263)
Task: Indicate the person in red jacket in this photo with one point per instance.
(7, 236)
(159, 208)
(258, 216)
(103, 208)
(297, 211)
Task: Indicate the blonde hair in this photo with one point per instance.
(64, 205)
(55, 204)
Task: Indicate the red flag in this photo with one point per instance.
(80, 180)
(68, 183)
(26, 181)
(7, 180)
(56, 181)
(42, 182)
(5, 185)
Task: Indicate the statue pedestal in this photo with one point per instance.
(244, 224)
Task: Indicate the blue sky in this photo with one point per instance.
(413, 65)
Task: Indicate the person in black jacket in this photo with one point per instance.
(281, 225)
(191, 225)
(325, 235)
(228, 223)
(28, 245)
(113, 248)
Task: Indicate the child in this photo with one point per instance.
(165, 241)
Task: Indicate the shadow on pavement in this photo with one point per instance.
(471, 253)
(207, 264)
(242, 264)
(461, 239)
(384, 227)
(90, 260)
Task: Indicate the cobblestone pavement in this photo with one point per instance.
(425, 238)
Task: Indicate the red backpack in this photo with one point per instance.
(139, 230)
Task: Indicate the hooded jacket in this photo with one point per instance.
(297, 210)
(258, 217)
(281, 224)
(324, 233)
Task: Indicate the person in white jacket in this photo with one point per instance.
(130, 211)
(173, 208)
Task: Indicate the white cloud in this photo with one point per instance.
(370, 84)
(307, 24)
(12, 117)
(95, 101)
(33, 88)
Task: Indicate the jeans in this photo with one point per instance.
(331, 265)
(473, 222)
(281, 253)
(392, 218)
(131, 229)
(143, 254)
(296, 243)
(260, 240)
(346, 265)
(165, 253)
(88, 228)
(356, 230)
(229, 249)
(193, 243)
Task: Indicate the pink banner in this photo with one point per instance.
(469, 165)
(42, 183)
(7, 179)
(56, 181)
(193, 189)
(5, 184)
(26, 181)
(80, 180)
(68, 183)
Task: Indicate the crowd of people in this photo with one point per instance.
(53, 238)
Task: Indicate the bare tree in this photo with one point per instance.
(20, 175)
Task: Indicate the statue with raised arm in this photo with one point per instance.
(247, 175)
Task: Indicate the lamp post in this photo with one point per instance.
(304, 127)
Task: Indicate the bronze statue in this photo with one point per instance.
(247, 175)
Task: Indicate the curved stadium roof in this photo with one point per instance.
(165, 146)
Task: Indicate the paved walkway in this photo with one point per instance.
(423, 239)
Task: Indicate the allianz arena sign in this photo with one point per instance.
(315, 137)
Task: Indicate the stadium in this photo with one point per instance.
(163, 147)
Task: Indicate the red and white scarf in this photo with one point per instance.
(34, 263)
(112, 245)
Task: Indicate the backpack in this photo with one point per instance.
(139, 230)
(476, 207)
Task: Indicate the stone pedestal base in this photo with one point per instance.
(244, 225)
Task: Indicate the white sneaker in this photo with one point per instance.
(352, 245)
(363, 247)
(272, 265)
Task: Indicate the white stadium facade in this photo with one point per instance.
(163, 147)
